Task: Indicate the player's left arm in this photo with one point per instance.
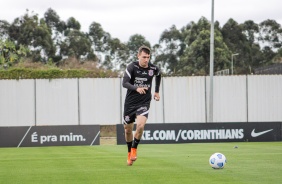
(157, 88)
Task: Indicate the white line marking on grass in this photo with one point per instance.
(24, 136)
(95, 138)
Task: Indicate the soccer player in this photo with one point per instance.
(137, 79)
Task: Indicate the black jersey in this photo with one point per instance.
(136, 76)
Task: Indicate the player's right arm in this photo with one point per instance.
(128, 74)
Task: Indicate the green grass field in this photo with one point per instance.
(167, 163)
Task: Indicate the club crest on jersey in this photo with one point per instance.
(151, 72)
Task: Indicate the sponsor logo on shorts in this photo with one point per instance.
(142, 108)
(127, 118)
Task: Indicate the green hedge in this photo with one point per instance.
(24, 73)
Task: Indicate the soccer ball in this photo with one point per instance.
(217, 161)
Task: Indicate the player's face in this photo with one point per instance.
(143, 59)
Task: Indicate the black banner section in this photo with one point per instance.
(206, 132)
(71, 135)
(11, 136)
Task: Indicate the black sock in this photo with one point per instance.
(129, 145)
(135, 143)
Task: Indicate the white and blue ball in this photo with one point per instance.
(217, 161)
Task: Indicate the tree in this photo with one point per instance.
(196, 58)
(4, 30)
(252, 52)
(278, 56)
(10, 53)
(98, 37)
(170, 48)
(119, 53)
(28, 30)
(271, 34)
(238, 40)
(193, 29)
(113, 51)
(250, 30)
(72, 23)
(100, 44)
(76, 45)
(51, 18)
(57, 28)
(133, 44)
(196, 55)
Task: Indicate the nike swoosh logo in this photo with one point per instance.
(256, 134)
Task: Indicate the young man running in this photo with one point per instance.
(137, 79)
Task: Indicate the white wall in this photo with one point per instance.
(184, 99)
(265, 98)
(100, 100)
(57, 102)
(17, 103)
(230, 98)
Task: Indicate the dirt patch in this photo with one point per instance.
(108, 131)
(108, 140)
(108, 135)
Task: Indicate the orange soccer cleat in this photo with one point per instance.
(129, 161)
(133, 155)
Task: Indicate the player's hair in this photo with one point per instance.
(145, 49)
